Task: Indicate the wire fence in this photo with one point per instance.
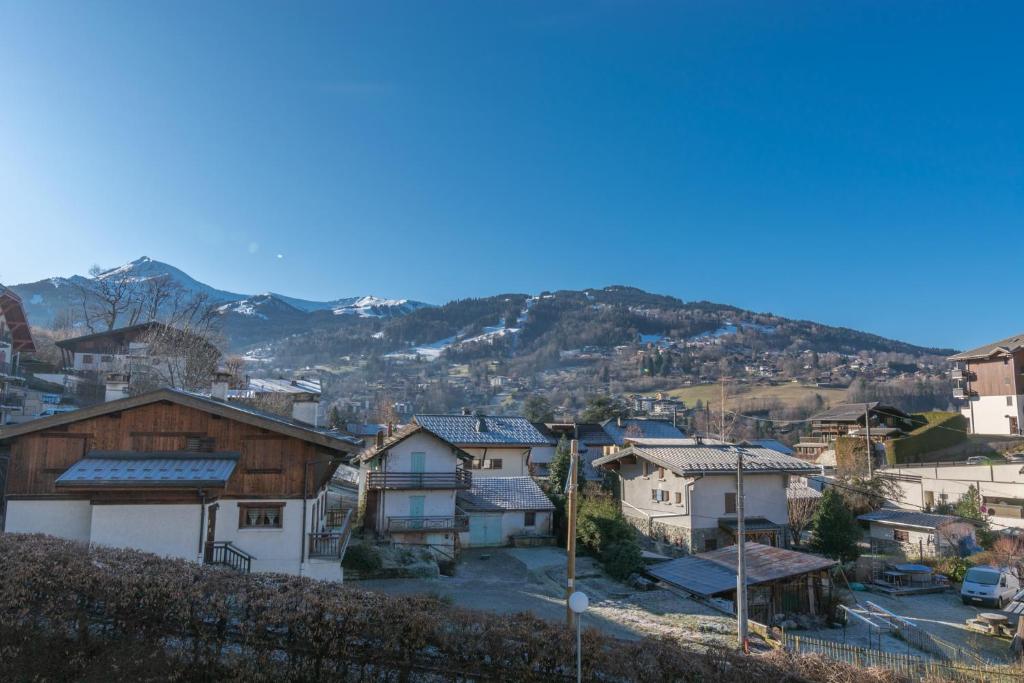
(912, 666)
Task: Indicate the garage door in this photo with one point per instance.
(485, 530)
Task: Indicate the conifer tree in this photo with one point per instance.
(835, 529)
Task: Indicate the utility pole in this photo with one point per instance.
(570, 545)
(741, 558)
(867, 435)
(721, 433)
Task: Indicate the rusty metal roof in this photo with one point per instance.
(714, 572)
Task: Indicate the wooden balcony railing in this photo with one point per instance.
(332, 544)
(337, 517)
(459, 479)
(223, 552)
(455, 523)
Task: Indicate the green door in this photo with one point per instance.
(485, 530)
(419, 462)
(416, 510)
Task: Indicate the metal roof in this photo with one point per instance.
(302, 385)
(13, 313)
(373, 450)
(714, 572)
(641, 428)
(773, 444)
(798, 490)
(749, 524)
(895, 517)
(1008, 345)
(146, 469)
(854, 412)
(711, 458)
(240, 412)
(483, 430)
(504, 493)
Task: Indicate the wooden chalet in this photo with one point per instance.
(181, 475)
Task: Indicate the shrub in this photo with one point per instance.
(941, 430)
(954, 568)
(621, 560)
(835, 530)
(71, 612)
(362, 557)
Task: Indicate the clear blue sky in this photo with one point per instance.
(858, 163)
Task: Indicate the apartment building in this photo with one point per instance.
(989, 383)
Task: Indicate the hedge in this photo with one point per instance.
(70, 612)
(942, 430)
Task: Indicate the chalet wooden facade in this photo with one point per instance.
(181, 475)
(989, 381)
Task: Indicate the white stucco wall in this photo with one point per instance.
(166, 530)
(513, 461)
(992, 481)
(438, 458)
(513, 523)
(274, 550)
(990, 413)
(70, 519)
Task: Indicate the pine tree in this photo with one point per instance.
(835, 529)
(558, 470)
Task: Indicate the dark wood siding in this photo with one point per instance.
(998, 378)
(271, 464)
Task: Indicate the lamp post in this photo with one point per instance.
(578, 603)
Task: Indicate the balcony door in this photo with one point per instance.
(416, 510)
(417, 466)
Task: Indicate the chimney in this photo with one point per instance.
(305, 408)
(117, 386)
(618, 421)
(391, 429)
(467, 411)
(481, 423)
(219, 385)
(380, 438)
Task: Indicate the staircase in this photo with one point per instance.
(224, 553)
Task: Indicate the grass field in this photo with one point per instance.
(745, 395)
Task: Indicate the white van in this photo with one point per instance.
(989, 586)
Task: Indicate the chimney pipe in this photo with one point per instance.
(391, 429)
(219, 385)
(618, 421)
(467, 411)
(481, 423)
(380, 438)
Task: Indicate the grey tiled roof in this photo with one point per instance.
(892, 516)
(504, 493)
(166, 468)
(641, 428)
(854, 412)
(461, 430)
(714, 458)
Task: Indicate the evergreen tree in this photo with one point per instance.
(334, 418)
(558, 470)
(835, 529)
(538, 409)
(969, 505)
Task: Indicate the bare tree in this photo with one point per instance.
(109, 298)
(954, 532)
(801, 514)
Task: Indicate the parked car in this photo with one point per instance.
(1015, 457)
(989, 586)
(977, 460)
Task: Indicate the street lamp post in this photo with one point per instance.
(578, 603)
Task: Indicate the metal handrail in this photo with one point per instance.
(460, 478)
(223, 552)
(426, 524)
(332, 544)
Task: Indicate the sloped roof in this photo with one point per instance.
(233, 411)
(709, 458)
(798, 490)
(461, 430)
(921, 520)
(504, 494)
(401, 435)
(119, 334)
(302, 385)
(112, 469)
(714, 572)
(645, 428)
(773, 444)
(13, 313)
(1008, 345)
(853, 412)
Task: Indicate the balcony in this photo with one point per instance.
(459, 479)
(405, 525)
(330, 545)
(962, 392)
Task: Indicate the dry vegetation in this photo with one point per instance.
(69, 612)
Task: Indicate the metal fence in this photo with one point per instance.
(907, 665)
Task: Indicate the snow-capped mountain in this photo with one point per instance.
(247, 318)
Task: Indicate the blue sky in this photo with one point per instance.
(857, 163)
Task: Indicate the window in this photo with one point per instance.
(260, 515)
(659, 496)
(661, 473)
(901, 535)
(646, 468)
(730, 503)
(106, 359)
(494, 464)
(529, 519)
(1009, 400)
(476, 464)
(679, 498)
(87, 359)
(710, 544)
(200, 444)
